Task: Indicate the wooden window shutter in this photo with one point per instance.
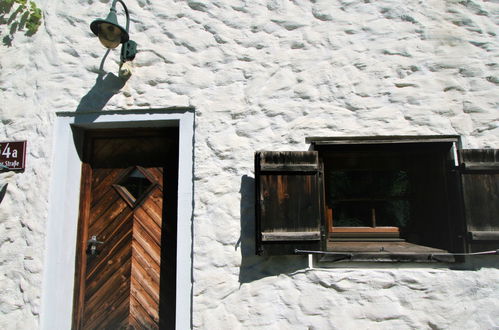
(480, 178)
(288, 202)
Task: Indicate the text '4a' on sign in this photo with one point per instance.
(13, 155)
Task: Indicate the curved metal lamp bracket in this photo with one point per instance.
(129, 48)
(113, 8)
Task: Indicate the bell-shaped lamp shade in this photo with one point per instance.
(110, 33)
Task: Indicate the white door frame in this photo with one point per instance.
(64, 197)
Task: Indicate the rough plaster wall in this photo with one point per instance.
(261, 75)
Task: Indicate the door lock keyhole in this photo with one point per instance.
(92, 245)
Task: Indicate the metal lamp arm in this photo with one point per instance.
(129, 48)
(113, 7)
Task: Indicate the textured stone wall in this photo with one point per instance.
(262, 75)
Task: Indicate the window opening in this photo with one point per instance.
(377, 198)
(367, 198)
(134, 186)
(136, 183)
(387, 193)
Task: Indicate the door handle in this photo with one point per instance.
(92, 245)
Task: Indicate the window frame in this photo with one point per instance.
(459, 226)
(368, 197)
(439, 151)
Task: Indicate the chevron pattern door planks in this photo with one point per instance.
(121, 217)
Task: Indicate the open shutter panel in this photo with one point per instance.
(480, 177)
(288, 207)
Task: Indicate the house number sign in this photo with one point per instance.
(13, 155)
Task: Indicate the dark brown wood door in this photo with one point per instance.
(119, 267)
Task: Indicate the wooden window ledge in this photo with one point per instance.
(384, 252)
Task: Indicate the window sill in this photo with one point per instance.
(386, 251)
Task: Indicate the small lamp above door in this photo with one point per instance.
(111, 33)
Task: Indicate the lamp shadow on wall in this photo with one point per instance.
(254, 267)
(106, 86)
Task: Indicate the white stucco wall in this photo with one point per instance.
(261, 75)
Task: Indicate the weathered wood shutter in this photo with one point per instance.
(480, 178)
(288, 202)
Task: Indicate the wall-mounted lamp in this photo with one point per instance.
(111, 34)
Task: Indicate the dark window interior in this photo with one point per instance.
(136, 183)
(370, 198)
(384, 192)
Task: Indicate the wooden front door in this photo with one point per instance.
(125, 264)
